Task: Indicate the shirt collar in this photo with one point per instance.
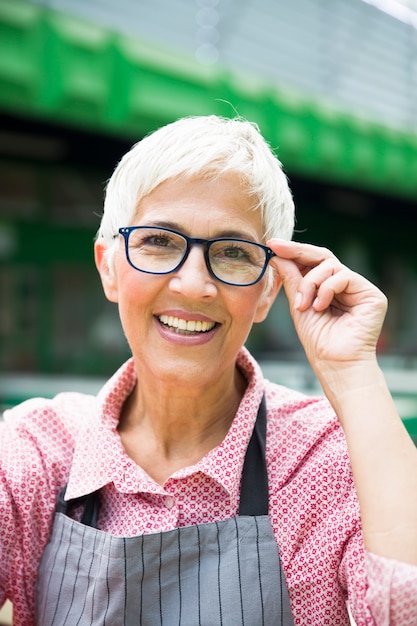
(99, 457)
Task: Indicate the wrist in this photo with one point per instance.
(343, 383)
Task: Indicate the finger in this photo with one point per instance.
(291, 276)
(302, 284)
(302, 253)
(287, 268)
(339, 284)
(317, 283)
(346, 289)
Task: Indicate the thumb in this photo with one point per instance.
(291, 276)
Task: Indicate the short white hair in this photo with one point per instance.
(199, 146)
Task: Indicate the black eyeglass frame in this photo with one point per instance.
(190, 241)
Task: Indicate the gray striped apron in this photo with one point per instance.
(219, 574)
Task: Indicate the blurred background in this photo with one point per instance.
(333, 87)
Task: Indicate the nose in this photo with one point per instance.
(193, 279)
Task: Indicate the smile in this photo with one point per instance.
(185, 326)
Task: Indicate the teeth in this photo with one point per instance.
(185, 325)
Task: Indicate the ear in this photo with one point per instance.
(272, 287)
(108, 278)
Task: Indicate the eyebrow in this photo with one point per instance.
(226, 234)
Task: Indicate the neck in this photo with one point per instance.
(164, 427)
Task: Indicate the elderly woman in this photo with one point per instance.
(191, 490)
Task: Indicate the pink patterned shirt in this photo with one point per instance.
(313, 506)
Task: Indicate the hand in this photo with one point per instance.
(337, 313)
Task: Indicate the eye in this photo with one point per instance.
(234, 251)
(153, 240)
(158, 240)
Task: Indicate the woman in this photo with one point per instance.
(192, 490)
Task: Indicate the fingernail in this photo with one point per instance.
(298, 300)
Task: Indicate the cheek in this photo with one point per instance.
(135, 291)
(244, 307)
(262, 309)
(134, 302)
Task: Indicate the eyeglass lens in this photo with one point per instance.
(162, 251)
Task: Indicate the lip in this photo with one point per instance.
(183, 339)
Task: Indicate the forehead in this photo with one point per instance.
(215, 204)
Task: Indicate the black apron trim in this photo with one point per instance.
(254, 487)
(91, 507)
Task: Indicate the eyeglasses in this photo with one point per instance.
(155, 250)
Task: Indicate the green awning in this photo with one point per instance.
(66, 70)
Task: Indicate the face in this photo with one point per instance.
(187, 325)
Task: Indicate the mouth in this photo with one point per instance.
(185, 327)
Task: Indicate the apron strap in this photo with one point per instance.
(254, 486)
(90, 503)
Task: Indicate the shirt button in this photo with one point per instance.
(169, 502)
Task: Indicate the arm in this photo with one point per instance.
(338, 316)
